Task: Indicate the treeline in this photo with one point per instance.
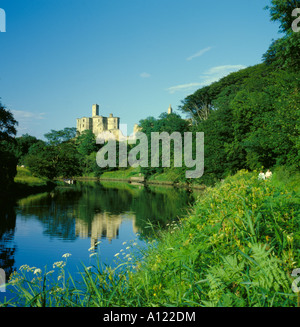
(65, 153)
(61, 155)
(250, 120)
(253, 120)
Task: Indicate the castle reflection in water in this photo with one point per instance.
(103, 225)
(66, 218)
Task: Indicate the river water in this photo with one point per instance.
(106, 218)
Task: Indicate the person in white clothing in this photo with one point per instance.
(261, 175)
(268, 174)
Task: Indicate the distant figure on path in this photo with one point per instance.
(268, 174)
(261, 175)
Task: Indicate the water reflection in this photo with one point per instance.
(7, 228)
(87, 211)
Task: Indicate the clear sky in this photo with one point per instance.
(132, 57)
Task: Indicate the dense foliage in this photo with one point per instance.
(254, 120)
(284, 52)
(8, 160)
(236, 248)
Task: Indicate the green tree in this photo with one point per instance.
(86, 143)
(198, 105)
(21, 146)
(254, 121)
(284, 52)
(7, 124)
(8, 160)
(43, 162)
(165, 123)
(61, 160)
(64, 135)
(281, 11)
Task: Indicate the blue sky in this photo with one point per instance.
(133, 58)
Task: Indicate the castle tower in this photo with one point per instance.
(170, 110)
(95, 110)
(98, 124)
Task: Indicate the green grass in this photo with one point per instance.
(237, 247)
(121, 173)
(167, 176)
(26, 184)
(24, 176)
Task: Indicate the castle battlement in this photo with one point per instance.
(98, 124)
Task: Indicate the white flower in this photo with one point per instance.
(117, 254)
(50, 272)
(37, 271)
(66, 255)
(92, 254)
(124, 243)
(59, 264)
(24, 267)
(128, 247)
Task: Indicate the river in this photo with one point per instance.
(89, 217)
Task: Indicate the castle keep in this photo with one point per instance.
(98, 124)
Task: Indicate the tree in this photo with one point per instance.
(54, 161)
(254, 122)
(7, 124)
(284, 52)
(165, 123)
(8, 160)
(57, 137)
(21, 146)
(198, 105)
(86, 143)
(281, 11)
(43, 162)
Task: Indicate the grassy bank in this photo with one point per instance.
(237, 247)
(121, 174)
(25, 183)
(24, 176)
(171, 177)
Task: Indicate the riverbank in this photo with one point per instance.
(26, 184)
(237, 247)
(134, 175)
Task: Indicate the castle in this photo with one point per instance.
(98, 124)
